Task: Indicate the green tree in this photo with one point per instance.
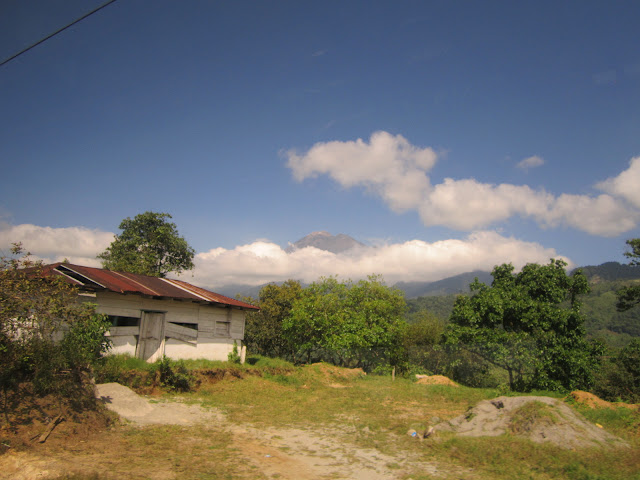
(148, 245)
(619, 378)
(350, 324)
(263, 332)
(529, 324)
(629, 297)
(47, 338)
(418, 351)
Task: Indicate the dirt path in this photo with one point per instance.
(188, 441)
(287, 453)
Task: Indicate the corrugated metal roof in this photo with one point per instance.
(89, 278)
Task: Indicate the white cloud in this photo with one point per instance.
(261, 262)
(388, 166)
(77, 244)
(626, 184)
(530, 162)
(397, 171)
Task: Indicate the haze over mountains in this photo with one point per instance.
(325, 241)
(456, 284)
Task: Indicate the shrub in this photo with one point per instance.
(234, 356)
(174, 375)
(47, 338)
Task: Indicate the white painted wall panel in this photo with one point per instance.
(205, 316)
(125, 344)
(206, 348)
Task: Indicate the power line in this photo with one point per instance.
(57, 32)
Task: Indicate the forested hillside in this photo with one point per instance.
(599, 306)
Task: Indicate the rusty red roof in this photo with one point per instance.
(96, 279)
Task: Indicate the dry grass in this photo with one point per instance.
(271, 416)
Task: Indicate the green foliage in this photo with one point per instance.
(234, 356)
(347, 324)
(174, 375)
(619, 378)
(529, 324)
(47, 338)
(419, 350)
(599, 308)
(263, 331)
(440, 306)
(148, 245)
(629, 296)
(85, 341)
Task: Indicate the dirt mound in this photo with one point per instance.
(594, 401)
(330, 373)
(540, 419)
(435, 380)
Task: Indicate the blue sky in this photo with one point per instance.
(450, 136)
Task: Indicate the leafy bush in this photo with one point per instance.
(619, 378)
(47, 338)
(234, 356)
(174, 375)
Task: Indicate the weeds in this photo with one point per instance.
(234, 356)
(174, 375)
(531, 414)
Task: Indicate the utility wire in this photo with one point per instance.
(57, 32)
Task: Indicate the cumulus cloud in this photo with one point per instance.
(389, 166)
(530, 162)
(261, 262)
(626, 184)
(77, 244)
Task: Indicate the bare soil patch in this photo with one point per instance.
(436, 380)
(331, 373)
(593, 401)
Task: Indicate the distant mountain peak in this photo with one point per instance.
(323, 240)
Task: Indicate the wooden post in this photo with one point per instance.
(52, 425)
(393, 374)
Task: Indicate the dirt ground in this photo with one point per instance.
(284, 453)
(148, 440)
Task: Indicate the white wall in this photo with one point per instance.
(206, 345)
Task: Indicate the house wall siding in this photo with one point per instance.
(206, 344)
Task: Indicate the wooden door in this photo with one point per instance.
(151, 339)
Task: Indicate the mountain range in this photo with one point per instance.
(325, 241)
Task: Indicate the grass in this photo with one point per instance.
(376, 412)
(511, 457)
(532, 414)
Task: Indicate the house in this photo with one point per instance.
(152, 317)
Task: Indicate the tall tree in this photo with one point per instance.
(530, 324)
(263, 333)
(345, 323)
(148, 245)
(629, 297)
